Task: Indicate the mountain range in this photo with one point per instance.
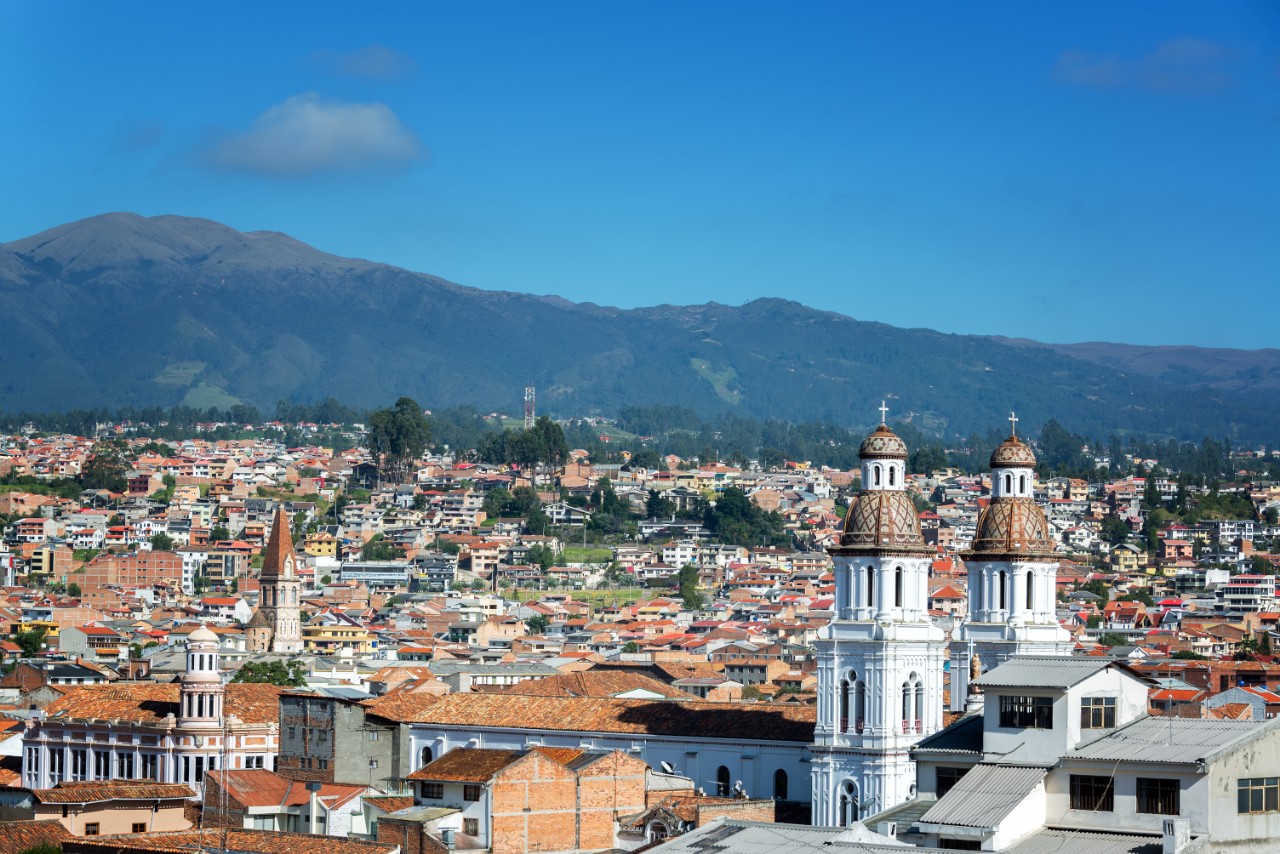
(123, 309)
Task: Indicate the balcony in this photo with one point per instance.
(913, 726)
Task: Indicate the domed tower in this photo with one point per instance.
(202, 690)
(1013, 574)
(880, 660)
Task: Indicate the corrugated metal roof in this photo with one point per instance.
(1082, 842)
(1025, 671)
(985, 795)
(1167, 739)
(747, 837)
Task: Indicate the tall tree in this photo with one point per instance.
(397, 437)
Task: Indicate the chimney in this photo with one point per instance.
(1176, 835)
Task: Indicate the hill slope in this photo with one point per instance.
(122, 309)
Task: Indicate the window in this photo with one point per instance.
(779, 785)
(102, 764)
(1258, 794)
(79, 763)
(471, 792)
(960, 844)
(139, 827)
(426, 756)
(471, 826)
(948, 777)
(1158, 796)
(149, 766)
(373, 763)
(322, 764)
(1026, 712)
(91, 829)
(1092, 793)
(722, 782)
(1098, 713)
(434, 791)
(373, 736)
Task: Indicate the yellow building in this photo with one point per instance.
(328, 640)
(321, 544)
(1127, 558)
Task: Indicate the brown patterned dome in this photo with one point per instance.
(1012, 453)
(882, 520)
(883, 444)
(1011, 526)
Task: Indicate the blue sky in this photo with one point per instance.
(1066, 172)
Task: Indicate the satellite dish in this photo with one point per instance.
(667, 768)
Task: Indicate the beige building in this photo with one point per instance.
(105, 808)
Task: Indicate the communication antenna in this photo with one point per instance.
(528, 407)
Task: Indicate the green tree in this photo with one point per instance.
(397, 437)
(73, 590)
(659, 507)
(104, 469)
(1112, 639)
(543, 556)
(1115, 530)
(537, 624)
(31, 641)
(273, 672)
(687, 581)
(379, 548)
(631, 646)
(1189, 655)
(162, 542)
(218, 533)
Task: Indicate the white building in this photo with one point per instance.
(880, 661)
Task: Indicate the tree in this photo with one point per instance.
(659, 507)
(687, 579)
(397, 437)
(542, 556)
(1115, 530)
(273, 673)
(1112, 639)
(326, 579)
(631, 646)
(31, 641)
(537, 624)
(218, 533)
(379, 549)
(1189, 655)
(162, 542)
(105, 469)
(73, 590)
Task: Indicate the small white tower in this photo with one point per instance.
(1013, 574)
(880, 661)
(202, 689)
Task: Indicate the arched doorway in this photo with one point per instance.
(848, 803)
(723, 782)
(780, 785)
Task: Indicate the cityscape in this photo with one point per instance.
(716, 428)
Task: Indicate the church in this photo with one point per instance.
(881, 660)
(277, 624)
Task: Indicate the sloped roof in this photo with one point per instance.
(145, 702)
(121, 790)
(262, 788)
(753, 722)
(467, 765)
(1169, 739)
(18, 836)
(592, 683)
(1028, 671)
(246, 841)
(984, 796)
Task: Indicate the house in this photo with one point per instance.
(108, 807)
(259, 799)
(534, 799)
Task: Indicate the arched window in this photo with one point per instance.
(897, 587)
(919, 706)
(657, 832)
(848, 803)
(779, 785)
(425, 757)
(844, 705)
(871, 587)
(891, 473)
(908, 698)
(1031, 592)
(1008, 483)
(1004, 583)
(859, 705)
(1022, 483)
(722, 782)
(876, 469)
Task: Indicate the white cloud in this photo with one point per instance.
(306, 135)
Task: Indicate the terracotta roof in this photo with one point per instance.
(246, 841)
(17, 836)
(400, 705)
(145, 702)
(390, 803)
(592, 683)
(116, 790)
(467, 765)
(753, 722)
(262, 788)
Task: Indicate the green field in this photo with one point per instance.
(580, 554)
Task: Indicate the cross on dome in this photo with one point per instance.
(884, 410)
(1013, 424)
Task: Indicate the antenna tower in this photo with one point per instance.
(528, 407)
